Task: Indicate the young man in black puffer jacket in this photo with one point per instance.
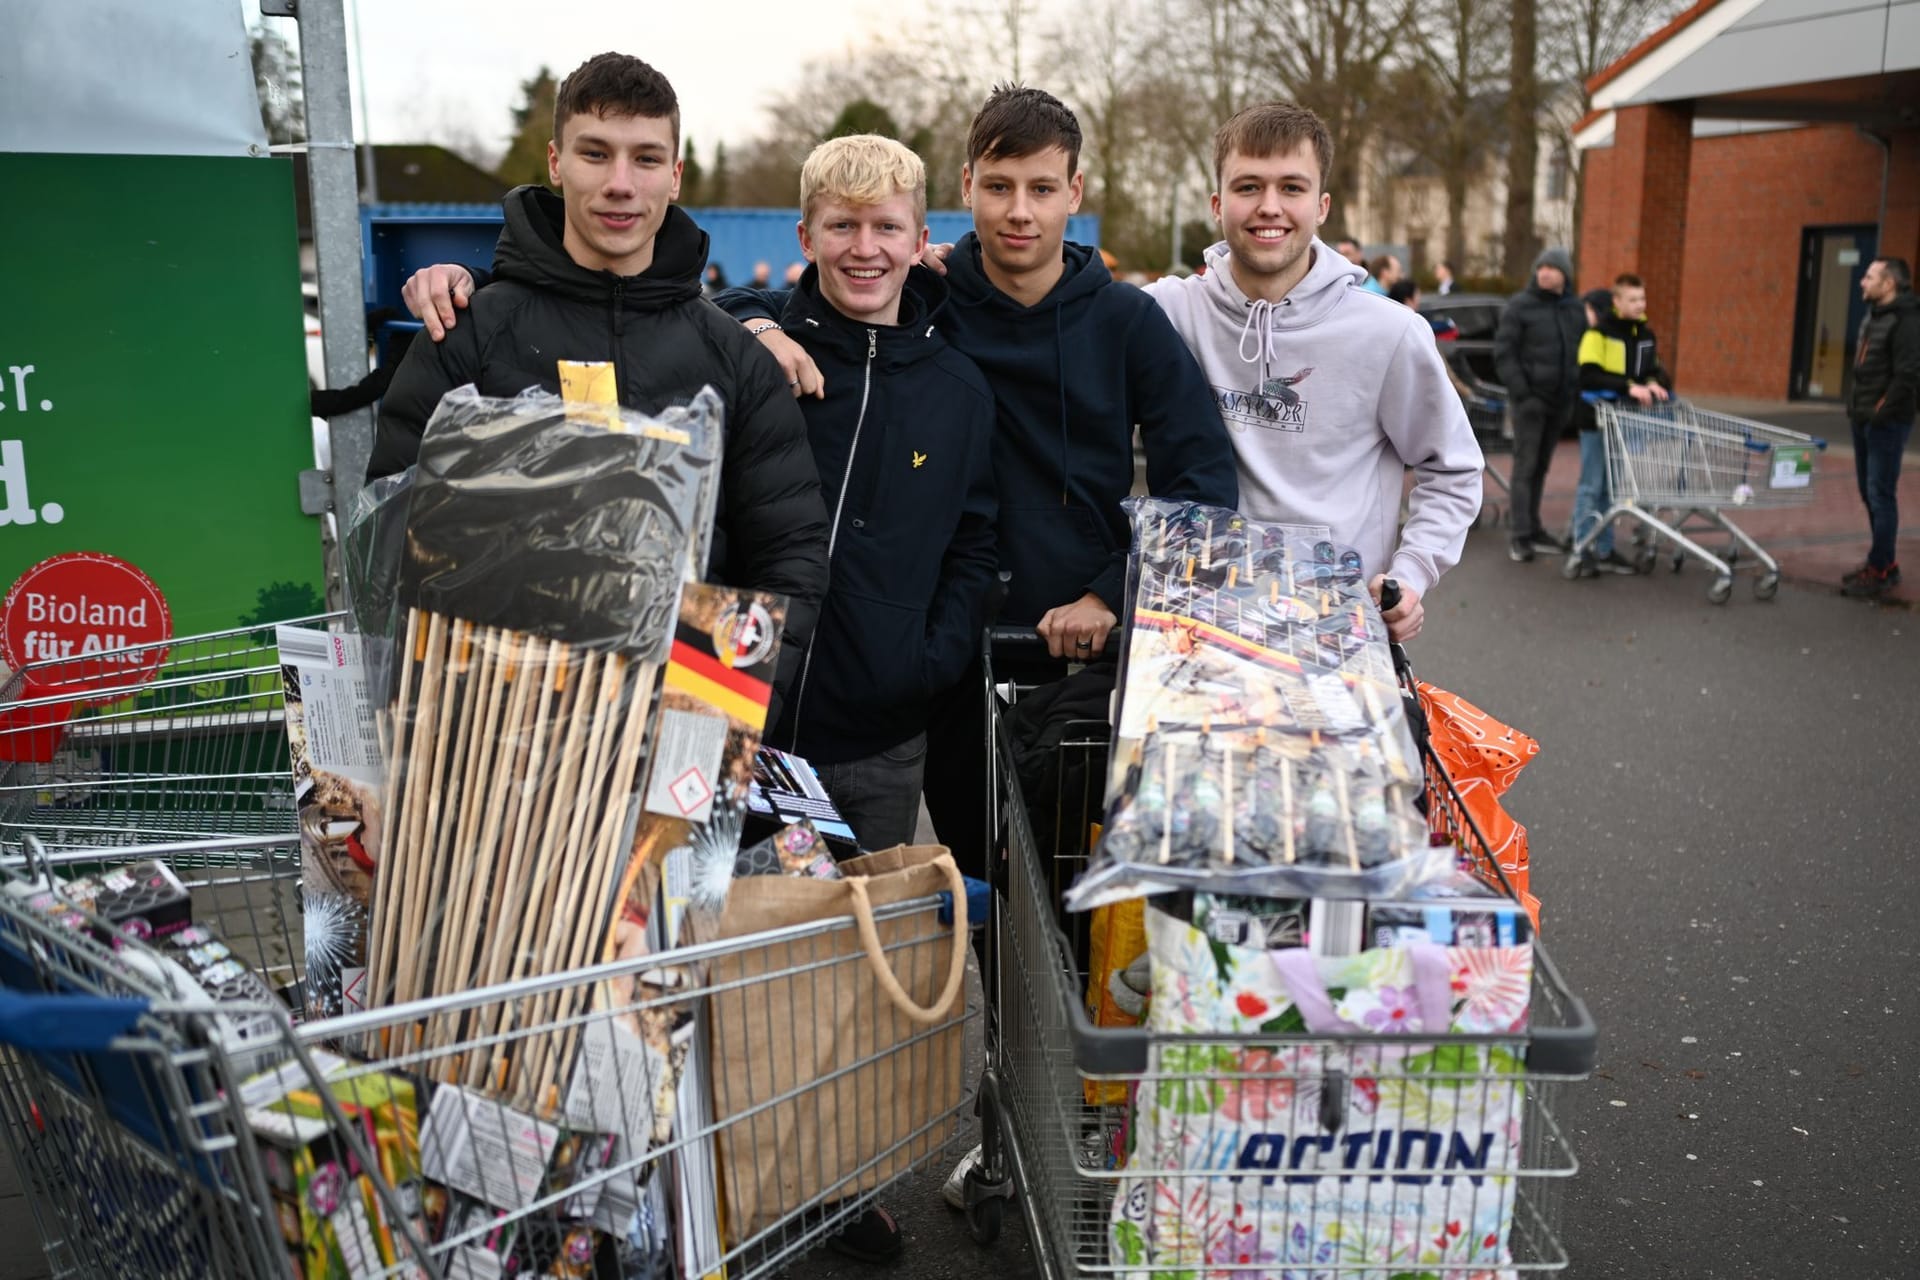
(1537, 352)
(609, 270)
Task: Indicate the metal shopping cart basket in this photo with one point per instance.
(176, 740)
(1046, 1142)
(1676, 469)
(1487, 415)
(161, 1134)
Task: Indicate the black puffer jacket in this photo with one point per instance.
(1886, 364)
(666, 343)
(1536, 349)
(904, 443)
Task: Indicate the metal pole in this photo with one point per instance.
(1173, 240)
(336, 246)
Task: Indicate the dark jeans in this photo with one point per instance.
(1536, 430)
(1877, 453)
(880, 795)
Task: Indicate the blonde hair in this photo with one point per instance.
(863, 168)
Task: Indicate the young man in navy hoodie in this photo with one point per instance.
(901, 432)
(1076, 360)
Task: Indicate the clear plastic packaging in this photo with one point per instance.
(534, 605)
(1262, 746)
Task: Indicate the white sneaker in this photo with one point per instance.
(955, 1190)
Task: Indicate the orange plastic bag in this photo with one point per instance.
(1483, 757)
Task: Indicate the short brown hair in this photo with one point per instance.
(1017, 120)
(1378, 267)
(1271, 128)
(618, 85)
(1628, 280)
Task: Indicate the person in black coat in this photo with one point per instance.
(610, 270)
(902, 431)
(1537, 352)
(1881, 408)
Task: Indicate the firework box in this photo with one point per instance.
(142, 901)
(330, 1215)
(335, 753)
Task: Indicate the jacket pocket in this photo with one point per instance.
(1053, 552)
(869, 660)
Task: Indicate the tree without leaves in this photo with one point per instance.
(526, 158)
(1523, 140)
(1582, 38)
(1460, 55)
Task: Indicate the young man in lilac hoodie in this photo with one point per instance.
(1329, 392)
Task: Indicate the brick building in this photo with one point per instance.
(1749, 160)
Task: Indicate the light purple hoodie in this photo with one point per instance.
(1328, 395)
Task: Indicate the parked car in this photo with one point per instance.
(1469, 345)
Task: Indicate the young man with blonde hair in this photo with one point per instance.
(1329, 391)
(901, 426)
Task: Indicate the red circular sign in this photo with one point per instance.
(85, 622)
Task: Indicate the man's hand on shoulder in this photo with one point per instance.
(934, 257)
(1404, 619)
(803, 375)
(1078, 630)
(434, 293)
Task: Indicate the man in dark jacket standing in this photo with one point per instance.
(902, 432)
(1536, 350)
(610, 270)
(1881, 406)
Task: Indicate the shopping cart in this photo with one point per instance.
(91, 755)
(1677, 468)
(132, 1104)
(1043, 1140)
(160, 1134)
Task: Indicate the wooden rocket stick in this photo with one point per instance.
(570, 868)
(1226, 787)
(418, 800)
(400, 717)
(477, 802)
(416, 949)
(1346, 818)
(1166, 827)
(605, 870)
(1286, 807)
(521, 784)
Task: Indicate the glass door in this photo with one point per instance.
(1828, 317)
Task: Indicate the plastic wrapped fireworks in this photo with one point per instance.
(1262, 746)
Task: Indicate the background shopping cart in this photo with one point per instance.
(1677, 469)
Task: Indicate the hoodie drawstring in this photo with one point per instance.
(1060, 377)
(1259, 327)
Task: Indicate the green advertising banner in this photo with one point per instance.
(153, 401)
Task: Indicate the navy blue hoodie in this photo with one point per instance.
(902, 441)
(1071, 376)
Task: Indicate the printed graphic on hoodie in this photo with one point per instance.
(1276, 406)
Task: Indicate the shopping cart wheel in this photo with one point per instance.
(1649, 555)
(1721, 590)
(1679, 561)
(1570, 568)
(1766, 586)
(985, 1218)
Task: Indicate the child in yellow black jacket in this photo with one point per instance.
(1619, 360)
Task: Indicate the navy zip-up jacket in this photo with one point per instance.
(1072, 376)
(903, 443)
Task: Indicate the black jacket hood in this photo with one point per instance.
(1085, 275)
(531, 250)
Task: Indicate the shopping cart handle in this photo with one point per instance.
(65, 1024)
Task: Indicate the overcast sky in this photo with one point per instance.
(438, 65)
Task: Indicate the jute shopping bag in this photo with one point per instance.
(837, 1058)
